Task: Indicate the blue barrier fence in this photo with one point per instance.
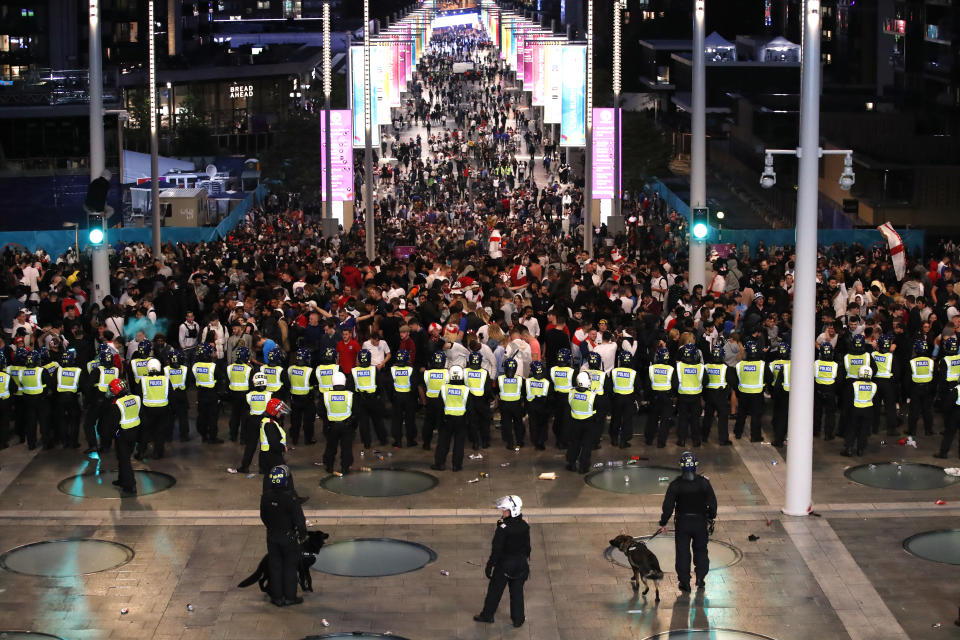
(913, 239)
(56, 241)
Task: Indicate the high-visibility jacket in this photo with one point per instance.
(92, 364)
(402, 378)
(264, 442)
(4, 385)
(689, 378)
(338, 403)
(324, 374)
(364, 379)
(716, 376)
(476, 380)
(68, 379)
(238, 375)
(156, 390)
(177, 377)
(884, 364)
(274, 383)
(581, 404)
(624, 379)
(454, 399)
(51, 368)
(257, 401)
(537, 388)
(129, 406)
(299, 377)
(31, 381)
(434, 380)
(598, 380)
(952, 364)
(921, 369)
(750, 376)
(825, 372)
(562, 379)
(853, 363)
(106, 376)
(781, 368)
(510, 388)
(204, 374)
(139, 368)
(863, 392)
(661, 376)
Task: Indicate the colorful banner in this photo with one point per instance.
(604, 148)
(537, 70)
(356, 98)
(573, 103)
(380, 78)
(341, 155)
(554, 70)
(528, 66)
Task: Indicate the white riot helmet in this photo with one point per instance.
(513, 504)
(259, 379)
(583, 380)
(866, 372)
(153, 366)
(338, 379)
(456, 373)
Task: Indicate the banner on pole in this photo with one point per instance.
(604, 149)
(573, 120)
(341, 155)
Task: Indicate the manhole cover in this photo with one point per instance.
(370, 557)
(707, 634)
(939, 546)
(380, 483)
(27, 635)
(354, 635)
(904, 476)
(663, 546)
(100, 485)
(64, 558)
(632, 479)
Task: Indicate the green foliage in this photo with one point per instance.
(294, 157)
(193, 136)
(646, 147)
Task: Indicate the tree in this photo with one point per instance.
(294, 156)
(193, 135)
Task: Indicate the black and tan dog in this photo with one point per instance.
(308, 555)
(643, 562)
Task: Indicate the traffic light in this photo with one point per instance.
(701, 223)
(96, 232)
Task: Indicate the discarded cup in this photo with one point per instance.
(598, 465)
(940, 502)
(325, 622)
(516, 449)
(774, 462)
(663, 479)
(361, 453)
(189, 607)
(476, 456)
(936, 625)
(474, 480)
(547, 475)
(231, 470)
(872, 466)
(484, 474)
(626, 479)
(444, 572)
(338, 474)
(124, 611)
(504, 465)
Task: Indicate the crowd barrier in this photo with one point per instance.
(56, 241)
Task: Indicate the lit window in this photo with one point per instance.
(827, 34)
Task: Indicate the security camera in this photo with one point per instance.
(768, 178)
(847, 178)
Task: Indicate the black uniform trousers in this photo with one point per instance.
(750, 404)
(238, 411)
(511, 422)
(512, 571)
(846, 406)
(716, 402)
(452, 428)
(560, 408)
(302, 414)
(153, 429)
(886, 394)
(66, 418)
(20, 417)
(921, 404)
(404, 414)
(689, 408)
(92, 405)
(539, 418)
(250, 434)
(581, 434)
(691, 528)
(824, 410)
(781, 411)
(207, 413)
(5, 405)
(432, 419)
(621, 418)
(339, 435)
(369, 409)
(479, 418)
(601, 407)
(660, 418)
(126, 441)
(283, 556)
(858, 431)
(950, 429)
(33, 405)
(178, 414)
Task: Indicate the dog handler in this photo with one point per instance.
(509, 561)
(692, 497)
(283, 517)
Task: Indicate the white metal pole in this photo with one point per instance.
(698, 145)
(154, 143)
(800, 421)
(368, 133)
(617, 17)
(329, 227)
(101, 262)
(588, 160)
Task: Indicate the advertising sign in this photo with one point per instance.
(356, 97)
(554, 80)
(603, 153)
(341, 155)
(573, 117)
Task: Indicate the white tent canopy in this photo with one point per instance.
(780, 50)
(719, 49)
(137, 165)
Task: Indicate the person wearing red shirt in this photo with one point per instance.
(347, 349)
(352, 277)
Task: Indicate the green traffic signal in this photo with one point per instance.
(700, 226)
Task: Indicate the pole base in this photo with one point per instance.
(615, 225)
(329, 227)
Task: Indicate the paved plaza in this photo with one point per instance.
(840, 574)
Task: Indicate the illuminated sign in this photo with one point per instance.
(238, 91)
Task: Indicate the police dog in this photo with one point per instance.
(308, 555)
(643, 562)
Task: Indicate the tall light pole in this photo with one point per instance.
(698, 146)
(368, 134)
(329, 224)
(154, 143)
(588, 160)
(101, 261)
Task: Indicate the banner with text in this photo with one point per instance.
(341, 155)
(356, 97)
(604, 148)
(573, 118)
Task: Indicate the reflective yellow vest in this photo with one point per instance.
(781, 368)
(455, 399)
(581, 404)
(826, 372)
(68, 379)
(92, 364)
(562, 379)
(921, 369)
(273, 378)
(623, 380)
(884, 364)
(257, 401)
(690, 379)
(107, 375)
(129, 406)
(177, 377)
(139, 368)
(156, 390)
(598, 380)
(299, 379)
(852, 364)
(14, 371)
(204, 374)
(4, 385)
(716, 376)
(750, 376)
(953, 368)
(264, 442)
(325, 376)
(435, 379)
(863, 393)
(537, 388)
(31, 381)
(510, 388)
(476, 381)
(239, 377)
(401, 378)
(661, 376)
(338, 403)
(364, 379)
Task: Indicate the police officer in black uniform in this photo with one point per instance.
(692, 497)
(509, 561)
(283, 517)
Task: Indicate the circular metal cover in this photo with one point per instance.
(632, 479)
(100, 485)
(372, 557)
(901, 476)
(380, 483)
(67, 557)
(941, 546)
(353, 635)
(707, 634)
(721, 554)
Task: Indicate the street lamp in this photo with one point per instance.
(76, 237)
(101, 263)
(329, 225)
(154, 143)
(769, 177)
(720, 216)
(618, 9)
(698, 146)
(588, 160)
(368, 134)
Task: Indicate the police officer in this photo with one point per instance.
(5, 402)
(825, 393)
(623, 386)
(95, 429)
(404, 400)
(948, 376)
(780, 387)
(273, 439)
(538, 390)
(479, 415)
(716, 379)
(126, 416)
(369, 406)
(138, 365)
(49, 430)
(454, 426)
(950, 427)
(257, 400)
(663, 385)
(690, 499)
(581, 430)
(750, 382)
(66, 402)
(886, 377)
(510, 387)
(600, 385)
(155, 414)
(338, 406)
(238, 380)
(920, 389)
(509, 562)
(434, 380)
(208, 379)
(33, 381)
(282, 515)
(302, 411)
(861, 412)
(853, 361)
(273, 370)
(324, 374)
(18, 408)
(561, 381)
(689, 395)
(176, 373)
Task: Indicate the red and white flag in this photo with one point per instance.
(897, 249)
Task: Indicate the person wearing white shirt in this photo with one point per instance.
(379, 350)
(608, 351)
(530, 322)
